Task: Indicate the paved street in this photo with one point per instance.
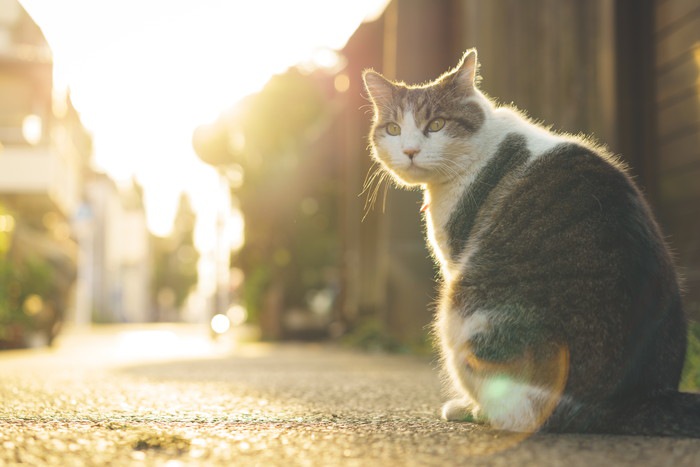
(167, 395)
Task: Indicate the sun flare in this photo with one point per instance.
(144, 75)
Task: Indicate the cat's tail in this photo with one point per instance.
(669, 413)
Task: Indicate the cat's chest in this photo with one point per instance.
(439, 208)
(437, 217)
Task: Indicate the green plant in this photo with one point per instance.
(25, 284)
(690, 380)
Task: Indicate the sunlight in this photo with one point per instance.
(220, 324)
(696, 57)
(143, 75)
(32, 129)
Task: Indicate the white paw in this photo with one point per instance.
(459, 410)
(511, 405)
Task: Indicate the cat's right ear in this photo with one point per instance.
(464, 74)
(379, 89)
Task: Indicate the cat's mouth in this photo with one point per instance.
(412, 164)
(413, 167)
(414, 173)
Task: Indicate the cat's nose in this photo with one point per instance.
(411, 152)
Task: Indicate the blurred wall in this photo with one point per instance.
(676, 62)
(584, 67)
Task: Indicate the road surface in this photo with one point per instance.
(167, 395)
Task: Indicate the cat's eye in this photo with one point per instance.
(436, 125)
(393, 129)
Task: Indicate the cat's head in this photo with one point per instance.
(421, 134)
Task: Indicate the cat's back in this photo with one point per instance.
(571, 204)
(565, 240)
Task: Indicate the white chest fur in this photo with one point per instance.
(442, 199)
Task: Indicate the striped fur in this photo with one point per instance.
(560, 308)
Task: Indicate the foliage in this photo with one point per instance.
(279, 118)
(371, 335)
(8, 295)
(5, 269)
(18, 281)
(257, 279)
(287, 198)
(175, 258)
(690, 380)
(36, 273)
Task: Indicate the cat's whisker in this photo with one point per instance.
(373, 182)
(451, 164)
(372, 174)
(448, 173)
(372, 192)
(448, 167)
(386, 190)
(375, 191)
(372, 198)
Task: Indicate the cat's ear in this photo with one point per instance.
(464, 74)
(378, 87)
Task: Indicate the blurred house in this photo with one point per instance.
(115, 254)
(44, 150)
(44, 146)
(76, 221)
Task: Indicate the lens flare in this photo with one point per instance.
(522, 393)
(220, 324)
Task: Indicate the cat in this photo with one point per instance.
(560, 308)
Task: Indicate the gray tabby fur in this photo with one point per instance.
(560, 307)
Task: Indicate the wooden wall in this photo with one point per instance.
(552, 58)
(624, 71)
(677, 64)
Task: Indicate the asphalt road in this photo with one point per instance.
(167, 395)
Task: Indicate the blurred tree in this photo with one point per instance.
(35, 277)
(24, 287)
(175, 264)
(7, 304)
(287, 198)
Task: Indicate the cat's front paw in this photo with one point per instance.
(460, 410)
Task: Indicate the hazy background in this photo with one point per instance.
(173, 161)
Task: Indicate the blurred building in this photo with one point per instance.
(90, 234)
(44, 146)
(115, 254)
(44, 150)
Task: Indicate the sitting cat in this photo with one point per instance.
(560, 307)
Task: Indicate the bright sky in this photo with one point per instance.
(144, 73)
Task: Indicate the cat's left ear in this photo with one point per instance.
(464, 74)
